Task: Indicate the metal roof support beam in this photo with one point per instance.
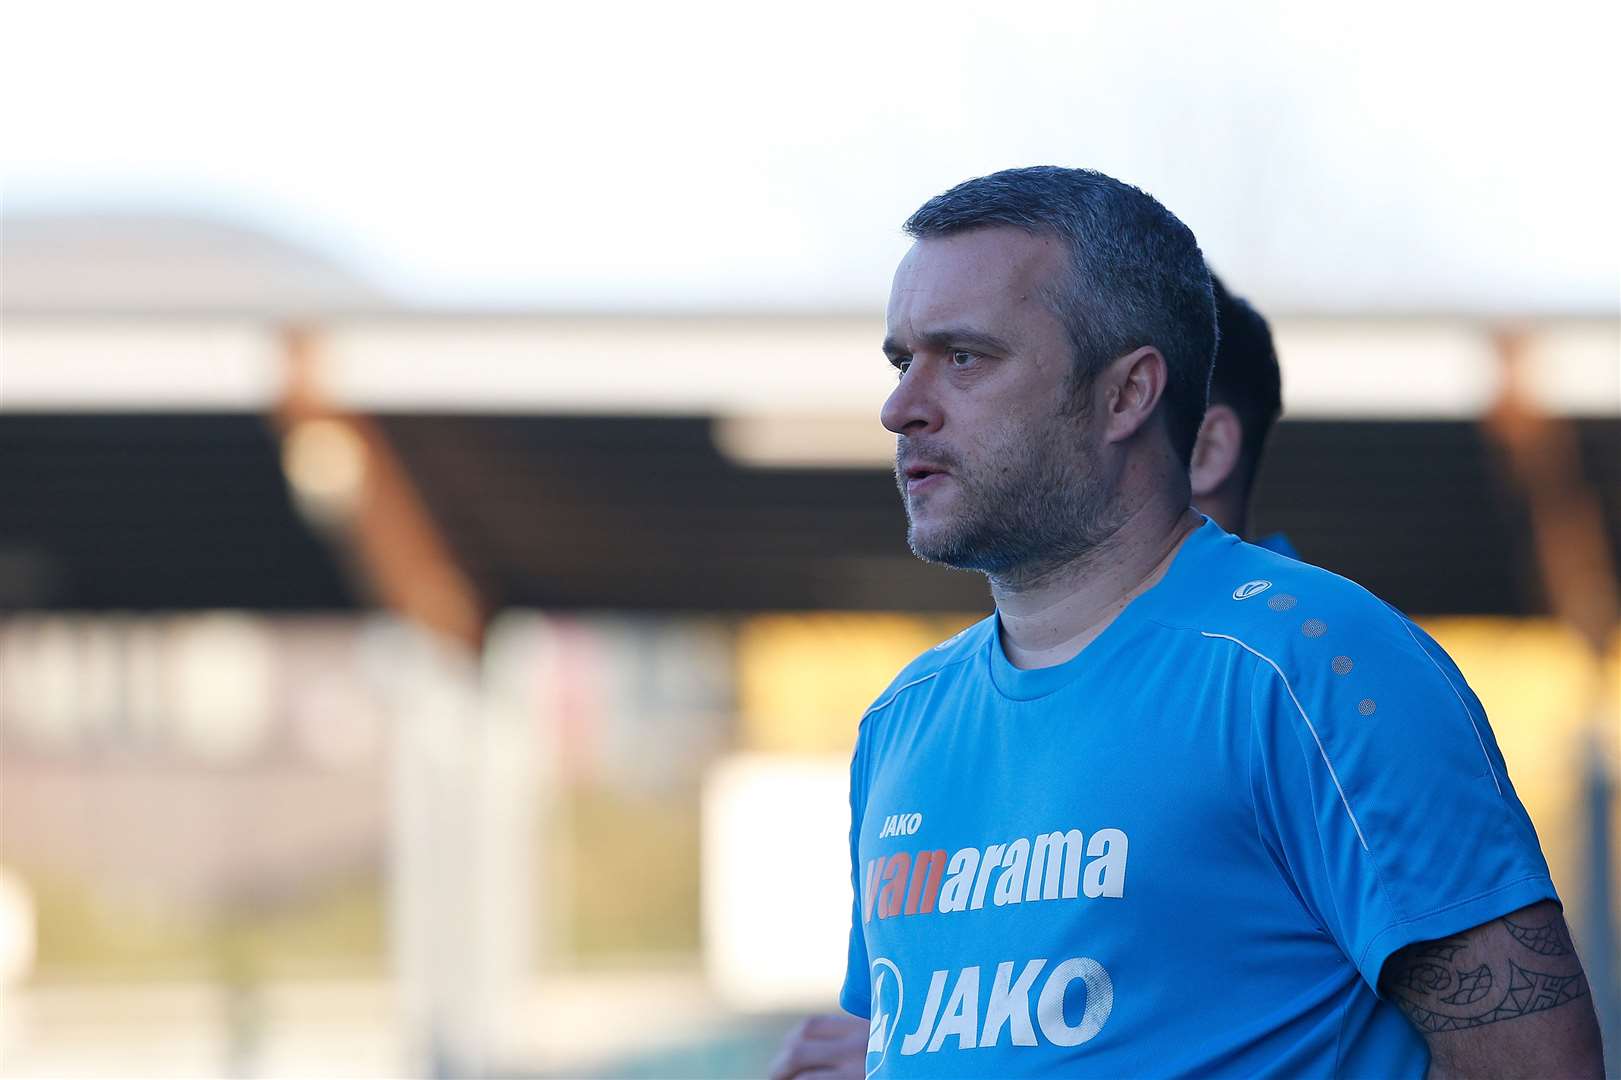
(355, 489)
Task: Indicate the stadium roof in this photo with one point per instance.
(710, 365)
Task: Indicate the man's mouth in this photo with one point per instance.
(920, 474)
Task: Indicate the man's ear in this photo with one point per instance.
(1133, 386)
(1217, 450)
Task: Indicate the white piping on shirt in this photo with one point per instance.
(1466, 710)
(1332, 775)
(884, 704)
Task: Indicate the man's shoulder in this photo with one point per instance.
(1333, 661)
(1307, 623)
(932, 662)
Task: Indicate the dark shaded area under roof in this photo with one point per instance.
(166, 512)
(1419, 512)
(154, 512)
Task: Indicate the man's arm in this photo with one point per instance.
(828, 1047)
(1507, 998)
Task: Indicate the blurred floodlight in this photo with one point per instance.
(325, 462)
(776, 880)
(224, 680)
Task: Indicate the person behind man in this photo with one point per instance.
(1180, 805)
(1246, 398)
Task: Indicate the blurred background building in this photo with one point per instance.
(440, 669)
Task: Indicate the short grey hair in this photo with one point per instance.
(1136, 277)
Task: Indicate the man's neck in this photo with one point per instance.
(1049, 618)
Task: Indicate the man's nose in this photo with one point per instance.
(912, 407)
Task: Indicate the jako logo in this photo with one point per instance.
(1251, 588)
(888, 998)
(1006, 1007)
(901, 825)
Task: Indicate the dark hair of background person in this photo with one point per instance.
(1136, 277)
(1246, 378)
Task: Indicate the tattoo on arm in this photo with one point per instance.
(1549, 939)
(1499, 971)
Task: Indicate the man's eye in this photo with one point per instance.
(962, 357)
(901, 364)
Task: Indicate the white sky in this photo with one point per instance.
(1402, 156)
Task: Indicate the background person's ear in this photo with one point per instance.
(1216, 451)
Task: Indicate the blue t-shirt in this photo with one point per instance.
(1186, 852)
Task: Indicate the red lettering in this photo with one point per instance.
(925, 881)
(894, 884)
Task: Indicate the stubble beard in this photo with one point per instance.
(1037, 504)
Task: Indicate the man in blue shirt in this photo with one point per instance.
(1181, 806)
(1246, 399)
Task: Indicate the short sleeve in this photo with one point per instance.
(1381, 792)
(855, 997)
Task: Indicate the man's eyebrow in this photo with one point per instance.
(952, 337)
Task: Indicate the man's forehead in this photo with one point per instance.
(977, 275)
